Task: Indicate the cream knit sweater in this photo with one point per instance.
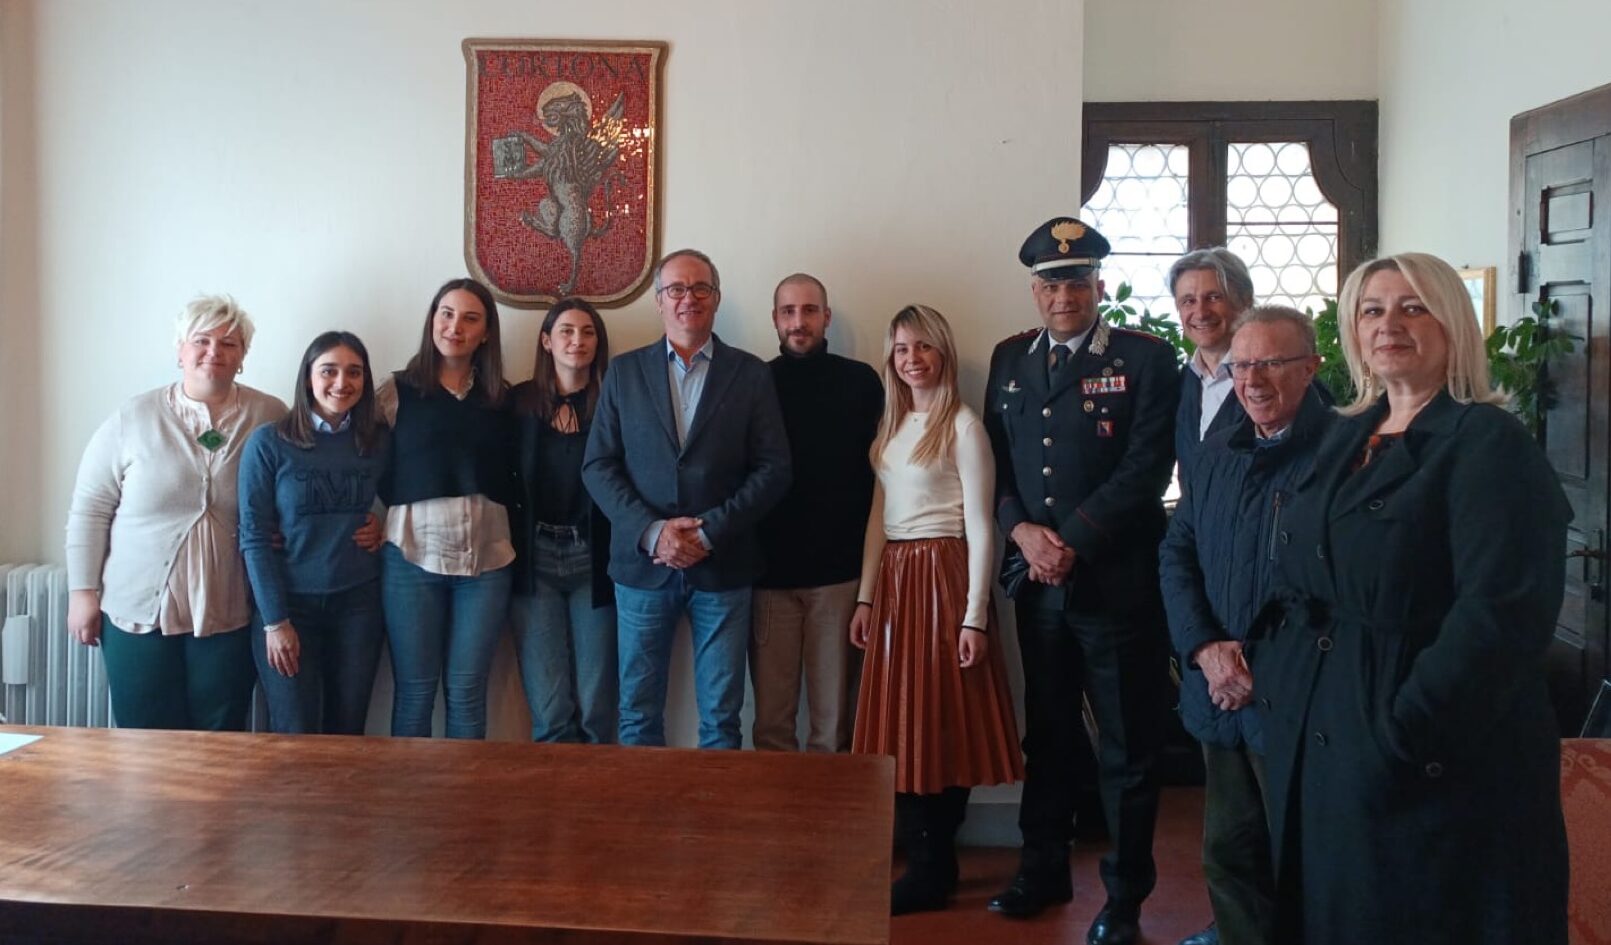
(143, 485)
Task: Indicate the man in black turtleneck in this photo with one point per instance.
(812, 539)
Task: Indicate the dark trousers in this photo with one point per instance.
(179, 682)
(1120, 663)
(340, 636)
(1236, 847)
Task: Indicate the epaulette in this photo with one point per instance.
(1012, 342)
(1137, 333)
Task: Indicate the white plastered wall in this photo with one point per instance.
(1229, 50)
(308, 157)
(1453, 74)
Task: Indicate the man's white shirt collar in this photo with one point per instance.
(1073, 344)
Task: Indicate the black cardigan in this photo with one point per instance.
(530, 431)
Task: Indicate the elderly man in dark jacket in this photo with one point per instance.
(1216, 567)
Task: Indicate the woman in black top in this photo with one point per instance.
(445, 568)
(563, 608)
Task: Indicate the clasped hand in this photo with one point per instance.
(1050, 559)
(1230, 681)
(678, 545)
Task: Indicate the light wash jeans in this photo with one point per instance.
(442, 629)
(566, 646)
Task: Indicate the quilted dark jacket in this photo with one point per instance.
(1217, 556)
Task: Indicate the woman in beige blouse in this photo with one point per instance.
(155, 572)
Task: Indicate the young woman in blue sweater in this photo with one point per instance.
(311, 478)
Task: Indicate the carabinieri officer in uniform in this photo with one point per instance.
(1081, 418)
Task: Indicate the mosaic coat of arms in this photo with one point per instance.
(562, 168)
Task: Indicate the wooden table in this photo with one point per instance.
(132, 837)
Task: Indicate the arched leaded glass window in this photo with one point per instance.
(1288, 186)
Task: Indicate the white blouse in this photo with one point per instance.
(949, 498)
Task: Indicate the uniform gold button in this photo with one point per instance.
(1050, 501)
(1045, 411)
(1046, 470)
(1046, 441)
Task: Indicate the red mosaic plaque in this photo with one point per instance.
(561, 168)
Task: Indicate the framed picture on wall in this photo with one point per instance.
(562, 167)
(1480, 286)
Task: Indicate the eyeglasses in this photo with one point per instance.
(699, 290)
(1244, 368)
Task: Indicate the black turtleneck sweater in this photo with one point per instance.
(831, 407)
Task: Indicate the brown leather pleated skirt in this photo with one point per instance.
(944, 725)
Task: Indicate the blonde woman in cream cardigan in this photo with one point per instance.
(154, 569)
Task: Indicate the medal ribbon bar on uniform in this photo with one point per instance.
(1102, 385)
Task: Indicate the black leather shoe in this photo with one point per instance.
(1208, 936)
(1030, 893)
(1116, 924)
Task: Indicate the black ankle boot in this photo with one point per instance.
(931, 864)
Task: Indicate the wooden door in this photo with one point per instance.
(1560, 186)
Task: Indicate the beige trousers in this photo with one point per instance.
(803, 632)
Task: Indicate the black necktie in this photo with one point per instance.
(1059, 361)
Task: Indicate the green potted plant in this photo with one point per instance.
(1119, 309)
(1518, 361)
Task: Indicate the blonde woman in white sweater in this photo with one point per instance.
(154, 568)
(934, 692)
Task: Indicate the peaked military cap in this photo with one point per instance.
(1063, 248)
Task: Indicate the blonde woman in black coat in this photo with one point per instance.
(1412, 755)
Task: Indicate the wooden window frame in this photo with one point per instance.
(1342, 140)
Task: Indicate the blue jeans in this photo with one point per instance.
(566, 646)
(441, 629)
(340, 636)
(719, 627)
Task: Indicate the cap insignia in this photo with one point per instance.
(1065, 231)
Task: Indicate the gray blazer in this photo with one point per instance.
(732, 470)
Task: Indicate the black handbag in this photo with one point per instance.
(1014, 571)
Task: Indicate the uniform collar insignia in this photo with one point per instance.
(1099, 338)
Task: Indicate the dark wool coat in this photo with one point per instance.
(1217, 559)
(1411, 752)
